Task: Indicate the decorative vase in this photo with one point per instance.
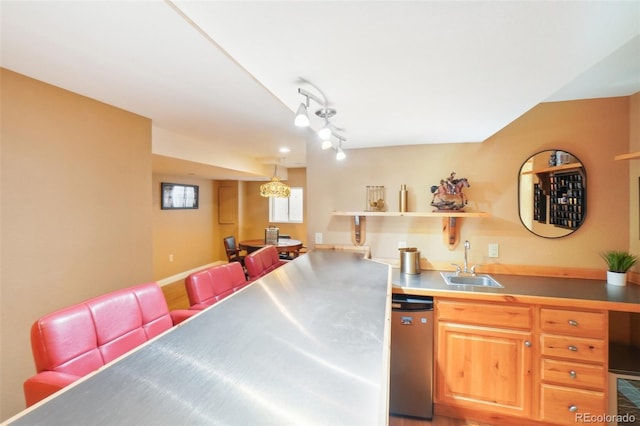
(617, 278)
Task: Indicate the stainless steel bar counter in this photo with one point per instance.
(306, 344)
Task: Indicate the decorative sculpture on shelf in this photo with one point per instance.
(448, 195)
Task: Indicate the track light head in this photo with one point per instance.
(327, 145)
(302, 118)
(340, 155)
(325, 132)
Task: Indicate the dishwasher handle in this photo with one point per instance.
(405, 303)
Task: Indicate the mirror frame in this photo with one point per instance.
(546, 175)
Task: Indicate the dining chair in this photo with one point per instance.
(233, 252)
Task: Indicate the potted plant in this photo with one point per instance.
(618, 263)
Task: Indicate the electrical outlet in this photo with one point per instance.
(402, 244)
(494, 250)
(170, 258)
(318, 237)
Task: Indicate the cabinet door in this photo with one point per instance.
(484, 368)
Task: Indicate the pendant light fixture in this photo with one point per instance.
(275, 188)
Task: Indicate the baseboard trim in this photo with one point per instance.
(185, 274)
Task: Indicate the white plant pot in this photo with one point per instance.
(617, 278)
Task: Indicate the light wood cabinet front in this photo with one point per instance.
(512, 362)
(567, 406)
(573, 376)
(481, 367)
(570, 373)
(577, 348)
(496, 315)
(573, 322)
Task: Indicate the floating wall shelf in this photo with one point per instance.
(629, 156)
(449, 222)
(563, 167)
(414, 214)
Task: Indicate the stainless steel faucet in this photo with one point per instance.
(467, 246)
(466, 270)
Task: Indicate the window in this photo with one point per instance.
(286, 209)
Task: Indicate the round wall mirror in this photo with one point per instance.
(552, 193)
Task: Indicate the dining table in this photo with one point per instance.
(284, 245)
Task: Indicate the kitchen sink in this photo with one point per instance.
(480, 280)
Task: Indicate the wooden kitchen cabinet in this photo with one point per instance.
(573, 364)
(484, 357)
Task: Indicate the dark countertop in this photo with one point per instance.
(571, 292)
(306, 344)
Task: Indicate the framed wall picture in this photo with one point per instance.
(178, 196)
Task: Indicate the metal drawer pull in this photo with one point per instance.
(527, 343)
(572, 348)
(573, 408)
(573, 323)
(572, 374)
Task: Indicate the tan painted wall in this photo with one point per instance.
(256, 209)
(185, 234)
(594, 130)
(76, 211)
(634, 173)
(634, 200)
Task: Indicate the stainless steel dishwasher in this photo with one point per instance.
(411, 379)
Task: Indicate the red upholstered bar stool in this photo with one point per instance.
(70, 343)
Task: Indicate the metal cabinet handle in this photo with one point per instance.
(573, 408)
(527, 343)
(573, 323)
(572, 348)
(572, 374)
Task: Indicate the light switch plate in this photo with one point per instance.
(494, 250)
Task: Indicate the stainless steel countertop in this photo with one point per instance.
(306, 344)
(562, 291)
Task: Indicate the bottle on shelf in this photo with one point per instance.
(403, 198)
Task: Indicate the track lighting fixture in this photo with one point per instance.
(328, 130)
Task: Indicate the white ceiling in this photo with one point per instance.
(226, 73)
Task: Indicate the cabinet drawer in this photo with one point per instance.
(573, 374)
(568, 406)
(578, 348)
(573, 323)
(497, 315)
